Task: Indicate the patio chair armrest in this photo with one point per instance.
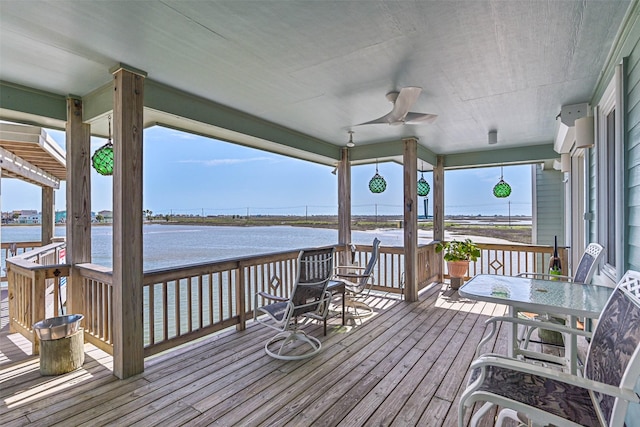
(547, 276)
(347, 267)
(351, 275)
(517, 365)
(526, 322)
(269, 296)
(537, 323)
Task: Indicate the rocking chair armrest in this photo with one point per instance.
(517, 365)
(272, 297)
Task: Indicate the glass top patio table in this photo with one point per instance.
(538, 295)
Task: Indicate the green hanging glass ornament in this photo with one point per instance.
(501, 189)
(102, 159)
(377, 183)
(423, 187)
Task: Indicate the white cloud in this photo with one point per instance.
(221, 162)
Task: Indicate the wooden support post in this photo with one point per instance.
(38, 304)
(78, 191)
(344, 205)
(240, 298)
(128, 339)
(438, 209)
(410, 178)
(48, 215)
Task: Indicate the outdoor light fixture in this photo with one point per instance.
(565, 162)
(423, 186)
(493, 137)
(584, 132)
(102, 159)
(377, 183)
(501, 189)
(351, 143)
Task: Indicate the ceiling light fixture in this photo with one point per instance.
(493, 137)
(350, 144)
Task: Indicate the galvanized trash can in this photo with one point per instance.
(61, 344)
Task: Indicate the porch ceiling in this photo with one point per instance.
(294, 76)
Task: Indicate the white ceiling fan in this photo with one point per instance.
(400, 114)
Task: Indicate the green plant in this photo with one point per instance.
(459, 251)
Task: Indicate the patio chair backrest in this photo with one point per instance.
(315, 268)
(613, 356)
(368, 271)
(588, 263)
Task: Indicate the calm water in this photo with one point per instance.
(175, 245)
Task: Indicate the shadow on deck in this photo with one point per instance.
(405, 365)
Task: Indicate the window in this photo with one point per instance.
(610, 176)
(610, 185)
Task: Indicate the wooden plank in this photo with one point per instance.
(78, 196)
(410, 222)
(344, 204)
(128, 351)
(407, 365)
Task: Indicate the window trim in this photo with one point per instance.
(613, 98)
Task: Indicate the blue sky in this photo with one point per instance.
(188, 174)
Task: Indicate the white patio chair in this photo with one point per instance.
(547, 396)
(584, 272)
(358, 281)
(309, 299)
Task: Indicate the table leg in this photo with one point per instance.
(571, 349)
(343, 304)
(512, 346)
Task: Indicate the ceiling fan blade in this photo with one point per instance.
(385, 120)
(406, 98)
(419, 118)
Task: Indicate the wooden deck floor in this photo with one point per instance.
(404, 366)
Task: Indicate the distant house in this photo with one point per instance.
(107, 216)
(29, 217)
(61, 216)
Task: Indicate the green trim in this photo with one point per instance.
(169, 100)
(23, 99)
(371, 152)
(97, 103)
(524, 155)
(426, 155)
(626, 38)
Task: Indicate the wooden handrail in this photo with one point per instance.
(188, 302)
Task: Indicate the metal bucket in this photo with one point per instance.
(55, 328)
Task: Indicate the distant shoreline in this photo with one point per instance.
(494, 227)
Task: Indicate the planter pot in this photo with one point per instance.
(457, 269)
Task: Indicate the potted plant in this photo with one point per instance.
(458, 254)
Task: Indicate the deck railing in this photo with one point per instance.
(511, 260)
(185, 303)
(12, 249)
(34, 280)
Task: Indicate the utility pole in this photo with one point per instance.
(509, 213)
